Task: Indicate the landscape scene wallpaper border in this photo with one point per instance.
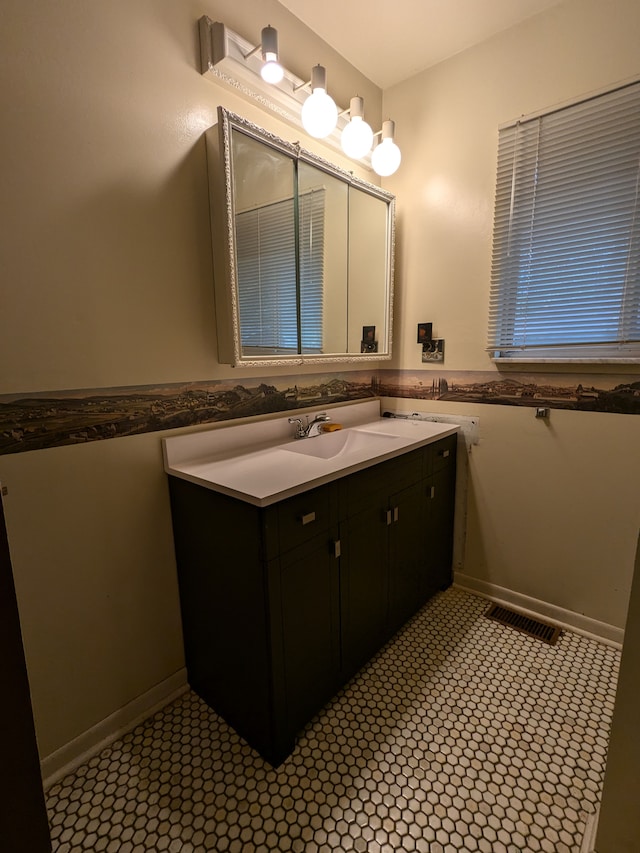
(36, 421)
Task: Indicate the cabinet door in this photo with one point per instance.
(306, 632)
(408, 557)
(440, 493)
(364, 586)
(222, 585)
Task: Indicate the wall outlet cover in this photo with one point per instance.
(434, 352)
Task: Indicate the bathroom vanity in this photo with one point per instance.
(293, 574)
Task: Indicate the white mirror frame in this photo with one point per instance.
(223, 238)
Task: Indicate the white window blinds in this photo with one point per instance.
(566, 246)
(267, 260)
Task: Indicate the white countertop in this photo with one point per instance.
(262, 463)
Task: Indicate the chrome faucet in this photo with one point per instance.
(307, 430)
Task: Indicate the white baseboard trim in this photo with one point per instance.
(70, 756)
(590, 832)
(534, 607)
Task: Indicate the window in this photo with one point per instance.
(565, 280)
(268, 299)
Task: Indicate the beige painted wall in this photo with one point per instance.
(92, 554)
(554, 507)
(107, 281)
(106, 246)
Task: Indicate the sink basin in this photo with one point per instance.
(354, 440)
(262, 463)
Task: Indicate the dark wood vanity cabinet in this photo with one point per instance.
(260, 608)
(397, 541)
(282, 604)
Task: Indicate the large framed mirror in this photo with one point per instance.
(303, 253)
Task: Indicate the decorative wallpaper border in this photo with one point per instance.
(582, 392)
(51, 419)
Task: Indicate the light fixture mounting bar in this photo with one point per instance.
(231, 59)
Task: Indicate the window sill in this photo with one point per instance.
(563, 361)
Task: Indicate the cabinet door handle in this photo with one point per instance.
(396, 513)
(308, 518)
(432, 492)
(389, 518)
(336, 548)
(443, 453)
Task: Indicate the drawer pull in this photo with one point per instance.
(392, 515)
(308, 517)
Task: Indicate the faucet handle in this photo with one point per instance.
(300, 428)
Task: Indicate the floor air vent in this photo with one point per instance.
(533, 627)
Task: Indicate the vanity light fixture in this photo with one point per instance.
(386, 156)
(357, 137)
(319, 112)
(229, 58)
(271, 71)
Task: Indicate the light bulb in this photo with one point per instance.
(271, 71)
(357, 136)
(386, 156)
(319, 112)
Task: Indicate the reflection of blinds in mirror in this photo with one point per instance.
(266, 269)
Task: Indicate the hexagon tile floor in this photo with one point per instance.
(460, 735)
